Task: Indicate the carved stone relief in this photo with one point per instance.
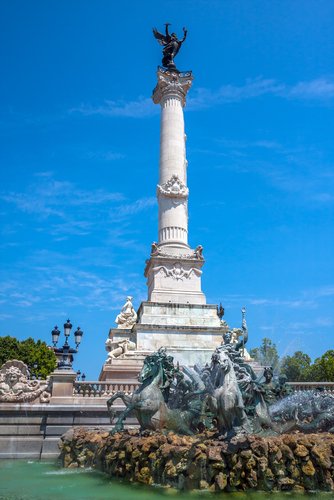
(173, 188)
(16, 387)
(177, 272)
(116, 348)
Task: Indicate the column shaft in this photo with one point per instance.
(172, 189)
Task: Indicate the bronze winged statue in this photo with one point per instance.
(171, 46)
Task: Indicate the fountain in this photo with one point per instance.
(217, 427)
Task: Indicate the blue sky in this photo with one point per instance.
(79, 145)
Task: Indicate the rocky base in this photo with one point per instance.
(291, 462)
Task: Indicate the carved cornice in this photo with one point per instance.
(161, 251)
(171, 84)
(173, 188)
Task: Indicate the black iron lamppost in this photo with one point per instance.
(65, 354)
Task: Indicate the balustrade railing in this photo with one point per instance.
(108, 389)
(102, 389)
(306, 386)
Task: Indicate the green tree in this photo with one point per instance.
(296, 367)
(29, 351)
(322, 369)
(266, 354)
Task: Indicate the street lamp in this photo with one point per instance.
(65, 354)
(55, 335)
(77, 336)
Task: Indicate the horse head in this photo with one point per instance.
(150, 370)
(226, 371)
(224, 361)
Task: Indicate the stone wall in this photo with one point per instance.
(34, 430)
(285, 463)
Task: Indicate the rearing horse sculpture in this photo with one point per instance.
(145, 402)
(226, 400)
(150, 401)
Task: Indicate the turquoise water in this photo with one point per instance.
(33, 480)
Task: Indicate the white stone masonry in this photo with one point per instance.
(172, 190)
(174, 270)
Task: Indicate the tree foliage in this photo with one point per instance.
(296, 367)
(266, 354)
(322, 369)
(29, 351)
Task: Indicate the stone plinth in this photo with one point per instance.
(123, 370)
(62, 385)
(125, 367)
(190, 332)
(173, 279)
(174, 315)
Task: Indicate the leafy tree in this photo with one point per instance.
(30, 352)
(322, 369)
(296, 367)
(266, 354)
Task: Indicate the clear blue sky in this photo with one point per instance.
(79, 140)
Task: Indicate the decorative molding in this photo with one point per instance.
(160, 251)
(173, 188)
(172, 84)
(177, 272)
(16, 387)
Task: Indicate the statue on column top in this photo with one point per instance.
(171, 46)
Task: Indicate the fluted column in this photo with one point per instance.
(172, 191)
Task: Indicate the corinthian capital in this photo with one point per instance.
(172, 84)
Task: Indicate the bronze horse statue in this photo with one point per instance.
(152, 401)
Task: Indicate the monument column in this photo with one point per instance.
(174, 270)
(172, 191)
(176, 314)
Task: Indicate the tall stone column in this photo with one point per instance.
(174, 270)
(172, 190)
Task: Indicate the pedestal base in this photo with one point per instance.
(174, 279)
(190, 332)
(125, 369)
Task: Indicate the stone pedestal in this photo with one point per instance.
(190, 332)
(175, 278)
(62, 385)
(123, 370)
(125, 367)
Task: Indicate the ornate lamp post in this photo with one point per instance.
(65, 354)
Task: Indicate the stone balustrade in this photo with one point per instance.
(103, 389)
(307, 386)
(96, 389)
